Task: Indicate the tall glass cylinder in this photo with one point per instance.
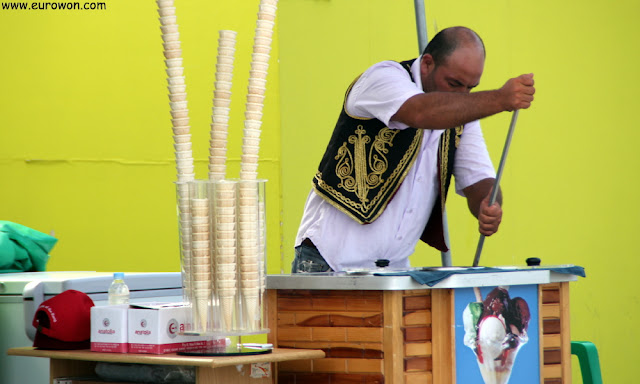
(223, 255)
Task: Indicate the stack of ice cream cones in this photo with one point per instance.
(201, 259)
(180, 126)
(221, 105)
(249, 247)
(177, 90)
(249, 250)
(225, 249)
(184, 223)
(256, 89)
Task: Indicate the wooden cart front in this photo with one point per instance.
(395, 336)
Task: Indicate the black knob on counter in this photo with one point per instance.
(533, 261)
(381, 263)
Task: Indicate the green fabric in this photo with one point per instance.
(23, 249)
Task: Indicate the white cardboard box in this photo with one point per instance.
(157, 328)
(109, 328)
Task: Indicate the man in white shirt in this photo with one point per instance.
(369, 202)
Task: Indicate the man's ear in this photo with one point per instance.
(426, 64)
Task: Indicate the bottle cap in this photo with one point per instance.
(118, 275)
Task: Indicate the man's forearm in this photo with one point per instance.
(477, 192)
(444, 110)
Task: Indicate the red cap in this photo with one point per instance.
(64, 321)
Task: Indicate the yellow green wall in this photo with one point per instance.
(86, 148)
(85, 143)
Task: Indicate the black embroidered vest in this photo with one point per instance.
(365, 162)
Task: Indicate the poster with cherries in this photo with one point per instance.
(497, 335)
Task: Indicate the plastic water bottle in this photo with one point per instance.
(118, 290)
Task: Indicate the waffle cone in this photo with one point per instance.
(202, 306)
(251, 304)
(228, 306)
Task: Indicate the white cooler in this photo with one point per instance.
(22, 293)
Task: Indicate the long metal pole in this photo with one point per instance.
(421, 28)
(496, 185)
(421, 24)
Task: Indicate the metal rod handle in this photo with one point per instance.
(496, 185)
(421, 24)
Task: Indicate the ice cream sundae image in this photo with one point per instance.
(495, 329)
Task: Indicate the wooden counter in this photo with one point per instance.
(405, 333)
(210, 370)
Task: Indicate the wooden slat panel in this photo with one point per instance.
(329, 303)
(417, 349)
(565, 331)
(553, 381)
(331, 378)
(413, 334)
(413, 303)
(416, 292)
(550, 286)
(353, 353)
(329, 345)
(293, 378)
(418, 378)
(364, 365)
(551, 341)
(552, 371)
(418, 364)
(286, 318)
(550, 311)
(295, 366)
(272, 316)
(551, 326)
(312, 319)
(393, 344)
(552, 356)
(364, 303)
(550, 296)
(443, 336)
(540, 334)
(331, 318)
(294, 303)
(294, 334)
(328, 334)
(330, 365)
(364, 334)
(417, 318)
(353, 378)
(374, 320)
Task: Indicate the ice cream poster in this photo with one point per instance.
(497, 337)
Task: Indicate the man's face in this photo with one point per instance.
(460, 72)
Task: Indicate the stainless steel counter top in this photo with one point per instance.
(346, 281)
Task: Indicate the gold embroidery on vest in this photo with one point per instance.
(353, 170)
(385, 135)
(458, 134)
(444, 160)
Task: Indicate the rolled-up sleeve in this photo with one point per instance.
(472, 162)
(380, 92)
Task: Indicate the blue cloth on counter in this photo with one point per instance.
(433, 277)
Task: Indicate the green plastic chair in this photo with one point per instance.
(587, 354)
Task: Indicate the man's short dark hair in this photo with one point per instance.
(448, 40)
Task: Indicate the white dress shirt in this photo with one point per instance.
(346, 244)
